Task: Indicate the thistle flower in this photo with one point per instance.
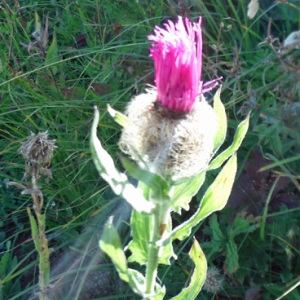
(177, 56)
(173, 127)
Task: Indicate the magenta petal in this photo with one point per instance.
(177, 55)
(177, 61)
(208, 86)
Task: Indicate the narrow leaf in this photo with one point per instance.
(221, 120)
(137, 283)
(280, 163)
(141, 226)
(38, 25)
(4, 264)
(232, 258)
(119, 118)
(214, 199)
(110, 244)
(51, 56)
(34, 231)
(117, 180)
(182, 193)
(199, 274)
(153, 181)
(237, 140)
(140, 232)
(52, 51)
(217, 233)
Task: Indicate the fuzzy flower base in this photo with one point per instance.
(173, 143)
(38, 148)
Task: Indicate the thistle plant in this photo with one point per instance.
(37, 152)
(171, 135)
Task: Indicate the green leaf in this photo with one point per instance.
(244, 225)
(119, 118)
(38, 25)
(214, 199)
(140, 232)
(221, 120)
(280, 163)
(218, 240)
(217, 233)
(237, 140)
(118, 181)
(156, 183)
(199, 274)
(110, 244)
(232, 258)
(51, 56)
(15, 269)
(182, 193)
(4, 263)
(141, 226)
(137, 282)
(34, 231)
(159, 292)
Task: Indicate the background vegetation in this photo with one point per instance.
(59, 58)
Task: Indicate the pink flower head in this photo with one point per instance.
(177, 56)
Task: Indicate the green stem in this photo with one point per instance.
(40, 240)
(153, 256)
(159, 223)
(44, 264)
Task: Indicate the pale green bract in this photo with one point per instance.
(117, 180)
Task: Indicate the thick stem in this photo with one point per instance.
(159, 224)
